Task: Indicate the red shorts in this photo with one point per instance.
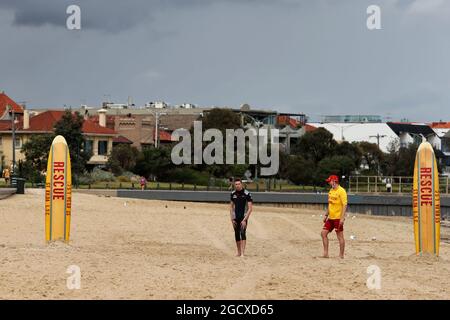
(333, 224)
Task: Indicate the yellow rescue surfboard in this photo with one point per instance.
(426, 201)
(58, 192)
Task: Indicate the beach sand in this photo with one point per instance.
(141, 249)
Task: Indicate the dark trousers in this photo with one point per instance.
(239, 232)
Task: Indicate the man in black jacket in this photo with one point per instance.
(240, 210)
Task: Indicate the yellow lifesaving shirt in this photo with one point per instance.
(336, 200)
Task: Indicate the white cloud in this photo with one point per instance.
(429, 7)
(150, 75)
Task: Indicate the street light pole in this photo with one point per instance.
(157, 116)
(257, 150)
(378, 137)
(156, 129)
(257, 124)
(13, 129)
(343, 128)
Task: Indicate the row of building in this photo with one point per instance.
(398, 134)
(112, 124)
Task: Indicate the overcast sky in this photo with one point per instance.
(316, 57)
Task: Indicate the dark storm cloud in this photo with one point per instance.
(107, 15)
(101, 14)
(311, 56)
(36, 13)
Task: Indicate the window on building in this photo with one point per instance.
(103, 148)
(417, 139)
(445, 145)
(18, 143)
(89, 146)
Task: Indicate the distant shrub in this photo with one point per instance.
(85, 179)
(27, 171)
(123, 179)
(128, 174)
(99, 175)
(188, 175)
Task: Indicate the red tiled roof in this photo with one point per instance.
(5, 125)
(91, 127)
(110, 120)
(45, 121)
(165, 136)
(440, 125)
(5, 101)
(309, 128)
(286, 120)
(122, 139)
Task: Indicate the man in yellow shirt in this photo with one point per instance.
(335, 215)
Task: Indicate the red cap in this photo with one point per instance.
(333, 178)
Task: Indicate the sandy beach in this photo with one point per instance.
(142, 249)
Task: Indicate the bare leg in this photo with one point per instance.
(243, 243)
(340, 236)
(324, 235)
(238, 245)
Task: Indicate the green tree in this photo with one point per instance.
(122, 158)
(284, 165)
(36, 151)
(371, 156)
(298, 170)
(221, 119)
(336, 165)
(237, 170)
(154, 162)
(70, 126)
(315, 145)
(28, 171)
(350, 150)
(400, 159)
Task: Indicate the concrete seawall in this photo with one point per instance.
(386, 205)
(6, 192)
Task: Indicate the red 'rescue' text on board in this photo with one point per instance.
(58, 181)
(426, 187)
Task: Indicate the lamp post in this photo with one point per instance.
(77, 173)
(13, 136)
(343, 128)
(378, 137)
(157, 115)
(257, 124)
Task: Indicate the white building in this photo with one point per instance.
(415, 133)
(386, 133)
(379, 133)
